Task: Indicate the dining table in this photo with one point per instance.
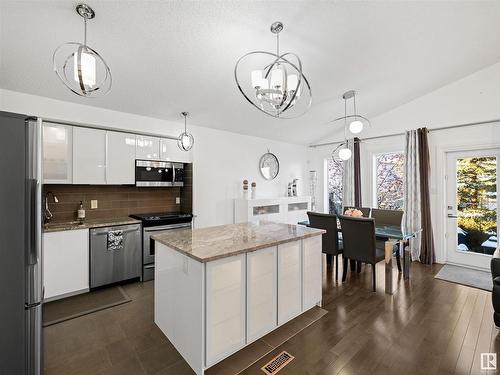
(391, 234)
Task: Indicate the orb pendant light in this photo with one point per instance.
(273, 82)
(356, 122)
(79, 67)
(185, 140)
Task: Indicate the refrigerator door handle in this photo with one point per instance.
(33, 222)
(34, 342)
(34, 215)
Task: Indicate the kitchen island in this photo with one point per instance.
(219, 289)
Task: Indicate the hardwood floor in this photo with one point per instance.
(428, 327)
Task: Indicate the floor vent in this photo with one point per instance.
(277, 363)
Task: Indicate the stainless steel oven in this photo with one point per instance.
(153, 173)
(148, 246)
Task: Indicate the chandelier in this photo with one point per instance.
(79, 67)
(277, 86)
(356, 122)
(185, 140)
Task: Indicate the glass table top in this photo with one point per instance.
(384, 231)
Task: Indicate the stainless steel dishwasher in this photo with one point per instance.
(115, 254)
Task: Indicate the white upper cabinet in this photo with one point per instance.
(57, 154)
(89, 156)
(147, 147)
(120, 161)
(169, 151)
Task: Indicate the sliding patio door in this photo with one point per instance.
(472, 184)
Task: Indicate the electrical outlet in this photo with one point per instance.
(177, 200)
(93, 203)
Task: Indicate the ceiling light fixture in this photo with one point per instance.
(185, 140)
(80, 67)
(278, 88)
(356, 122)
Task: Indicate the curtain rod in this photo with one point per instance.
(403, 133)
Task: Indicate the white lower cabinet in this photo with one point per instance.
(65, 263)
(312, 272)
(225, 307)
(262, 278)
(289, 281)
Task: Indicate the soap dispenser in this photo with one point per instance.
(81, 213)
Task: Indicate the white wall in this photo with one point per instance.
(474, 98)
(221, 160)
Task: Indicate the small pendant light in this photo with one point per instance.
(185, 140)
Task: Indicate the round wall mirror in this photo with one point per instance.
(269, 166)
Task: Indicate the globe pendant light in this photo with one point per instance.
(344, 152)
(185, 140)
(79, 67)
(272, 82)
(356, 122)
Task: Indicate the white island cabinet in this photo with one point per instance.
(219, 289)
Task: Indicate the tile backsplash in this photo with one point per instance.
(116, 200)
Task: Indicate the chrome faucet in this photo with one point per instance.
(46, 212)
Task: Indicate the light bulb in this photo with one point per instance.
(277, 78)
(256, 79)
(345, 153)
(292, 81)
(88, 66)
(356, 127)
(185, 141)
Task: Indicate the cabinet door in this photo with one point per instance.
(169, 151)
(57, 154)
(312, 271)
(289, 281)
(120, 161)
(65, 262)
(89, 156)
(262, 283)
(225, 310)
(147, 148)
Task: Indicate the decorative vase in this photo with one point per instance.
(254, 190)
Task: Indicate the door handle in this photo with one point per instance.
(451, 216)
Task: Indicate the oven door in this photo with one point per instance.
(149, 243)
(153, 173)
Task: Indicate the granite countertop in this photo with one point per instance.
(208, 244)
(87, 224)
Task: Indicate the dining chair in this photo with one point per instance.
(389, 218)
(365, 210)
(359, 244)
(331, 245)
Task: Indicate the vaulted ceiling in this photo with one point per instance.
(170, 56)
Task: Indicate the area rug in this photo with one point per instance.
(466, 276)
(83, 304)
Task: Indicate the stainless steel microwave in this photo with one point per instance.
(152, 173)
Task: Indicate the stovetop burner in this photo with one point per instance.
(162, 218)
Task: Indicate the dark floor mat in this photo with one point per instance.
(83, 304)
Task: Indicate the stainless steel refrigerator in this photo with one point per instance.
(21, 290)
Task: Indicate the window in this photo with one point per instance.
(389, 186)
(335, 169)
